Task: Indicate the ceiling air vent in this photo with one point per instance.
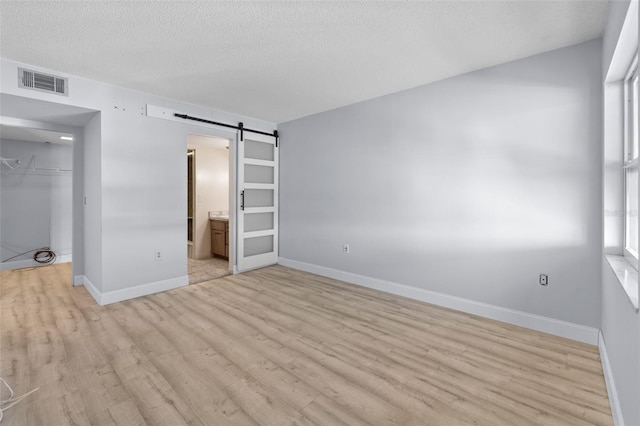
(33, 80)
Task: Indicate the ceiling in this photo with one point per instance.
(33, 135)
(281, 60)
(49, 112)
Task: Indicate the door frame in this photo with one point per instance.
(211, 128)
(210, 131)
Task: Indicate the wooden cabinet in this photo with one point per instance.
(219, 237)
(226, 241)
(217, 243)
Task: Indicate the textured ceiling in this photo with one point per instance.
(282, 60)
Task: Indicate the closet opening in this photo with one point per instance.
(43, 183)
(36, 195)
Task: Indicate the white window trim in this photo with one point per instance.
(626, 48)
(627, 277)
(630, 157)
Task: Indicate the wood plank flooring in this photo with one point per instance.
(280, 347)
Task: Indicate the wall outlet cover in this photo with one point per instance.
(544, 279)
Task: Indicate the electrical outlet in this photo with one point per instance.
(544, 279)
(345, 248)
(159, 256)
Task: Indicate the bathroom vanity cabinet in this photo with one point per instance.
(219, 237)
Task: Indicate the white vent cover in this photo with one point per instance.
(34, 80)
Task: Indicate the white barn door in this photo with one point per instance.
(257, 201)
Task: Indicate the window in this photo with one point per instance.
(631, 163)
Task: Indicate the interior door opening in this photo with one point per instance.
(209, 245)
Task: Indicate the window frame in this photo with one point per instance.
(631, 161)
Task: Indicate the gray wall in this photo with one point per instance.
(620, 321)
(36, 206)
(92, 203)
(621, 332)
(471, 186)
(77, 267)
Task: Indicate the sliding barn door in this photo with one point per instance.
(258, 201)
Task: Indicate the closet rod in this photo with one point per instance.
(43, 169)
(240, 126)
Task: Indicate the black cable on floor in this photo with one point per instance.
(42, 255)
(45, 256)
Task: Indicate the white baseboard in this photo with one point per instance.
(556, 327)
(78, 280)
(91, 288)
(132, 292)
(614, 402)
(30, 263)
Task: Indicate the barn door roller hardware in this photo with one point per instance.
(240, 126)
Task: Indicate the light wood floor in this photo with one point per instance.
(277, 347)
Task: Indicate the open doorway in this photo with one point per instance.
(36, 195)
(208, 189)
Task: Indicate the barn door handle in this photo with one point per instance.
(242, 200)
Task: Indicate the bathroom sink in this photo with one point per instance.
(220, 215)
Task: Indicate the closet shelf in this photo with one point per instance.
(11, 163)
(15, 163)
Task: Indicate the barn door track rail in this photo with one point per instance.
(239, 126)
